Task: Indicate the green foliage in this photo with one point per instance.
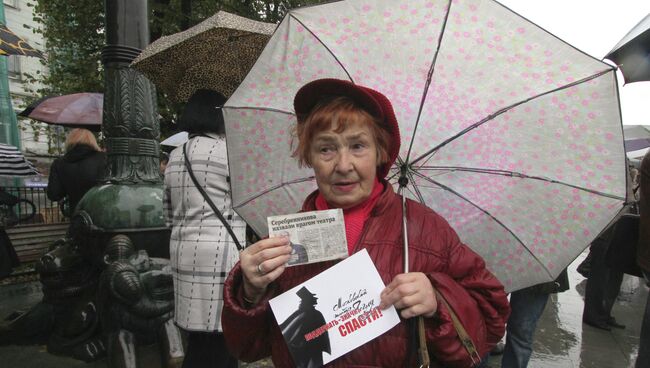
(74, 34)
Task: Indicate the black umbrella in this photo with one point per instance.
(632, 53)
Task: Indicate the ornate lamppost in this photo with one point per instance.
(119, 225)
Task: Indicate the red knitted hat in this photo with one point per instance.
(375, 103)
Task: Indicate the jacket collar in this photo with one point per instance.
(79, 152)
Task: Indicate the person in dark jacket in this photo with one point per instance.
(348, 135)
(604, 282)
(82, 167)
(8, 257)
(643, 257)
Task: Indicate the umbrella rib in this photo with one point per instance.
(427, 83)
(505, 109)
(325, 46)
(488, 214)
(269, 190)
(518, 175)
(259, 108)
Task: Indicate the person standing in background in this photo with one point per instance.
(8, 256)
(527, 307)
(82, 167)
(201, 250)
(643, 257)
(604, 282)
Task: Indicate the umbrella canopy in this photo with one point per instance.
(632, 53)
(175, 140)
(215, 54)
(11, 44)
(509, 133)
(13, 163)
(77, 110)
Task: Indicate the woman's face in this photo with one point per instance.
(345, 164)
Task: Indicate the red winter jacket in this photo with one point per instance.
(434, 248)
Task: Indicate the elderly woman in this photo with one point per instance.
(349, 135)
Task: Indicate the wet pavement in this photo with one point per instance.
(561, 340)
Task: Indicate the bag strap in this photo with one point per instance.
(464, 337)
(423, 352)
(188, 166)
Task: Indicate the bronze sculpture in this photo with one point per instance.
(136, 304)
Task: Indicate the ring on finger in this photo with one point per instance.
(259, 269)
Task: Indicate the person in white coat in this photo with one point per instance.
(202, 251)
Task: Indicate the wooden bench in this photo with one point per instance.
(32, 241)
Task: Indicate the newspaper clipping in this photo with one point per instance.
(315, 236)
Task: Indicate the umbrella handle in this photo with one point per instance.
(405, 233)
(420, 338)
(403, 182)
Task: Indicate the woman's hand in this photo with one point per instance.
(262, 263)
(412, 294)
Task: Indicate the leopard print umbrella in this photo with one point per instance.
(215, 54)
(11, 44)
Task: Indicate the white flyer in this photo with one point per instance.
(333, 312)
(315, 236)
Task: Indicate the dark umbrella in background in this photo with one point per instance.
(637, 137)
(78, 110)
(11, 44)
(13, 163)
(632, 53)
(637, 142)
(215, 54)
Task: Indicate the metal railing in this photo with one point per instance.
(45, 210)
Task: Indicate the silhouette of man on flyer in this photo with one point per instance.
(306, 353)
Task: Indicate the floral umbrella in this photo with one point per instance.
(511, 134)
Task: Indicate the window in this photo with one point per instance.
(11, 3)
(13, 67)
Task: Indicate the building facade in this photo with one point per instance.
(31, 136)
